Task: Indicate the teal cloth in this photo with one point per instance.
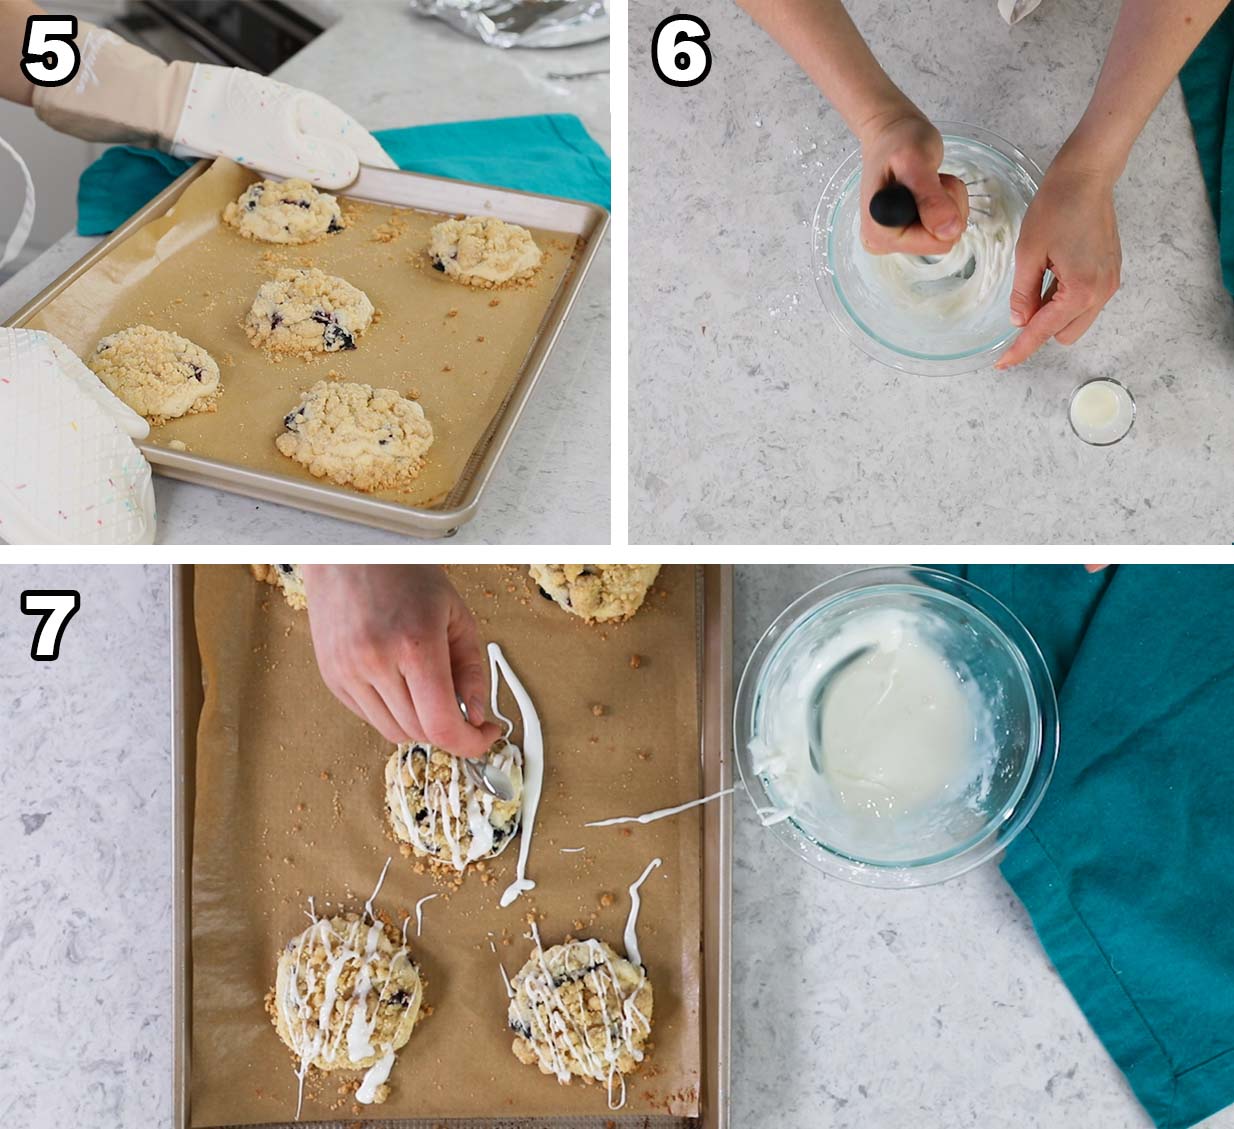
(1207, 87)
(1126, 868)
(552, 154)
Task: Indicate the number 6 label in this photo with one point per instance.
(679, 50)
(49, 56)
(56, 607)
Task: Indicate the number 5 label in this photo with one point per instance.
(56, 607)
(49, 56)
(679, 50)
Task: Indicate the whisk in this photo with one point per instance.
(895, 205)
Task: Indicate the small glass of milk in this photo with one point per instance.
(1101, 412)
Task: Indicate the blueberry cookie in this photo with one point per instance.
(357, 435)
(290, 212)
(482, 251)
(346, 997)
(596, 592)
(286, 577)
(159, 374)
(579, 1009)
(433, 805)
(303, 310)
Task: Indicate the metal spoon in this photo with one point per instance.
(482, 772)
(816, 711)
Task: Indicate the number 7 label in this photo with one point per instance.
(57, 607)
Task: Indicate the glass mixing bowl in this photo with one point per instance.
(975, 633)
(920, 341)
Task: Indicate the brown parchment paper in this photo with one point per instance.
(456, 349)
(289, 802)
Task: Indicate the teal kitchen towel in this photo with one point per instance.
(552, 154)
(1126, 868)
(1206, 82)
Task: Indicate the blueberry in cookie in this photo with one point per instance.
(303, 311)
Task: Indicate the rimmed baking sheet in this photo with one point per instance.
(710, 646)
(471, 357)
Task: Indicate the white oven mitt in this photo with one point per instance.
(70, 473)
(122, 93)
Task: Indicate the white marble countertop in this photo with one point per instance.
(389, 68)
(853, 1008)
(85, 854)
(755, 420)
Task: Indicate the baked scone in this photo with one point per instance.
(159, 374)
(287, 578)
(580, 1010)
(303, 310)
(357, 435)
(346, 997)
(291, 211)
(483, 251)
(596, 593)
(434, 807)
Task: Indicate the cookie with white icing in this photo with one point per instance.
(596, 592)
(159, 374)
(290, 211)
(346, 997)
(433, 806)
(578, 1010)
(287, 578)
(303, 310)
(483, 251)
(357, 435)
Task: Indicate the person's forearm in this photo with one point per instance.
(14, 86)
(1152, 40)
(825, 43)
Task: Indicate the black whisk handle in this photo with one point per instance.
(893, 206)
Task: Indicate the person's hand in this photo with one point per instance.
(907, 149)
(395, 644)
(1070, 228)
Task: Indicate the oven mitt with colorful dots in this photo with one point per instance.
(122, 93)
(70, 473)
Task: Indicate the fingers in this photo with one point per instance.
(430, 676)
(1030, 268)
(393, 691)
(1072, 333)
(369, 704)
(1066, 314)
(1095, 568)
(468, 667)
(942, 201)
(1059, 312)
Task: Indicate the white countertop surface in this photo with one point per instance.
(755, 420)
(853, 1008)
(85, 854)
(389, 69)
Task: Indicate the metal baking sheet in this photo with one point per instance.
(715, 591)
(460, 496)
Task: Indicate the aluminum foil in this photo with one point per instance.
(522, 23)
